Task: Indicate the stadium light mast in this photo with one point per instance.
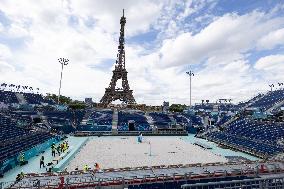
(63, 62)
(190, 73)
(271, 86)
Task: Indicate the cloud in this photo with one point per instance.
(271, 68)
(107, 13)
(5, 67)
(230, 33)
(5, 52)
(271, 63)
(272, 39)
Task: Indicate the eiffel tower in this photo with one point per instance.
(123, 94)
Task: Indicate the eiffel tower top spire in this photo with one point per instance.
(120, 62)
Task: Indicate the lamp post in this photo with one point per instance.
(63, 62)
(271, 86)
(190, 73)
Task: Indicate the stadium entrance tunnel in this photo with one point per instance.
(37, 120)
(131, 126)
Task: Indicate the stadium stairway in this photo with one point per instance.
(187, 119)
(230, 121)
(277, 105)
(21, 98)
(86, 117)
(173, 120)
(45, 121)
(150, 121)
(114, 121)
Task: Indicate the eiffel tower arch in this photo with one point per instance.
(112, 93)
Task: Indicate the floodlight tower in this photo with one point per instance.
(63, 62)
(271, 86)
(190, 73)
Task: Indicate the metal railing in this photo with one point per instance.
(259, 183)
(274, 177)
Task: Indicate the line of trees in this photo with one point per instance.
(177, 107)
(73, 104)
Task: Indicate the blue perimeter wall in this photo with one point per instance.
(12, 162)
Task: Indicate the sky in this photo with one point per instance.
(235, 48)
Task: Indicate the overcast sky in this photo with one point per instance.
(234, 47)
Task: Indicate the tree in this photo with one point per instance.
(62, 99)
(177, 107)
(77, 106)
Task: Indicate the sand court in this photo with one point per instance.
(119, 152)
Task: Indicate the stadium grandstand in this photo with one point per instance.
(250, 132)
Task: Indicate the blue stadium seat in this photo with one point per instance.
(139, 119)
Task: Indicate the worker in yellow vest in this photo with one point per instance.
(85, 168)
(20, 176)
(22, 158)
(65, 147)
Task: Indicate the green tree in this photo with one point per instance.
(73, 104)
(62, 99)
(77, 106)
(177, 107)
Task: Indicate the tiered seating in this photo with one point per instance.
(180, 119)
(223, 119)
(102, 117)
(98, 121)
(58, 117)
(33, 98)
(78, 116)
(14, 139)
(269, 100)
(8, 129)
(63, 120)
(8, 97)
(48, 101)
(262, 131)
(245, 144)
(195, 119)
(244, 104)
(140, 120)
(22, 144)
(253, 136)
(161, 120)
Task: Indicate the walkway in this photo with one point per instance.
(33, 165)
(139, 175)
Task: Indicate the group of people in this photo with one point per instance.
(86, 168)
(60, 148)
